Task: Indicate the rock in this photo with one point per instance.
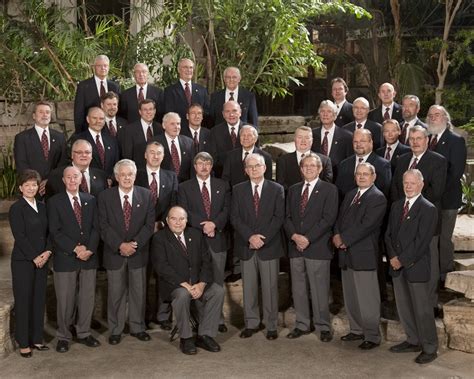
(340, 323)
(278, 149)
(459, 322)
(462, 236)
(270, 138)
(464, 264)
(6, 345)
(6, 238)
(65, 110)
(275, 124)
(461, 281)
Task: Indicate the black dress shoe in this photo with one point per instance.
(246, 333)
(62, 346)
(165, 324)
(352, 337)
(425, 358)
(222, 328)
(233, 278)
(187, 346)
(368, 345)
(142, 336)
(28, 354)
(326, 336)
(297, 333)
(405, 347)
(207, 343)
(115, 339)
(89, 341)
(40, 347)
(272, 335)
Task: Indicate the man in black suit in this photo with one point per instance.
(89, 91)
(139, 133)
(201, 136)
(179, 96)
(433, 166)
(234, 168)
(339, 91)
(363, 148)
(453, 147)
(257, 215)
(181, 258)
(311, 211)
(131, 97)
(74, 228)
(329, 139)
(410, 109)
(234, 92)
(388, 108)
(40, 148)
(288, 165)
(393, 147)
(361, 110)
(163, 185)
(179, 150)
(356, 237)
(207, 202)
(114, 125)
(410, 230)
(93, 180)
(127, 219)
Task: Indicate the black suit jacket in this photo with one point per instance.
(346, 182)
(221, 145)
(269, 221)
(189, 197)
(359, 227)
(234, 171)
(186, 146)
(120, 124)
(29, 229)
(28, 152)
(134, 144)
(112, 226)
(288, 170)
(374, 127)
(87, 96)
(345, 115)
(55, 184)
(66, 233)
(400, 150)
(168, 192)
(409, 239)
(129, 103)
(204, 138)
(247, 102)
(175, 101)
(377, 114)
(317, 221)
(453, 147)
(174, 265)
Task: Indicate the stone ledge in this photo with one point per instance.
(461, 281)
(462, 236)
(459, 321)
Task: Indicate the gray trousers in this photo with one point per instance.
(122, 283)
(433, 284)
(362, 303)
(209, 307)
(446, 246)
(312, 275)
(416, 313)
(268, 271)
(74, 288)
(218, 270)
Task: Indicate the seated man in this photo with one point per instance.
(181, 258)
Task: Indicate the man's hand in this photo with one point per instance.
(85, 255)
(337, 241)
(395, 263)
(256, 241)
(197, 290)
(42, 187)
(301, 241)
(209, 228)
(128, 248)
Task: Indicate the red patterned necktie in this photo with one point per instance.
(406, 209)
(403, 135)
(196, 142)
(100, 150)
(102, 88)
(231, 96)
(325, 144)
(84, 187)
(149, 134)
(182, 244)
(256, 200)
(304, 199)
(141, 97)
(127, 212)
(45, 144)
(356, 198)
(386, 115)
(433, 142)
(387, 154)
(77, 211)
(233, 136)
(175, 158)
(112, 129)
(187, 93)
(206, 200)
(413, 165)
(154, 187)
(359, 125)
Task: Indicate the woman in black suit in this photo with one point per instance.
(29, 224)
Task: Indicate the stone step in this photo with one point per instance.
(459, 322)
(461, 281)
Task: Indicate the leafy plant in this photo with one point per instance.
(8, 179)
(467, 194)
(469, 128)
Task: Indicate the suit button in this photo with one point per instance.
(82, 233)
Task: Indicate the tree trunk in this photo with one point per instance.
(397, 41)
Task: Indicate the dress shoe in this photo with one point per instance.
(233, 278)
(368, 345)
(89, 341)
(165, 324)
(62, 346)
(115, 339)
(40, 347)
(187, 346)
(27, 354)
(272, 335)
(222, 328)
(247, 332)
(425, 357)
(325, 336)
(207, 343)
(297, 333)
(352, 337)
(405, 347)
(142, 336)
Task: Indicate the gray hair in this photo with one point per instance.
(328, 104)
(102, 57)
(447, 116)
(251, 127)
(412, 97)
(415, 172)
(362, 100)
(392, 121)
(79, 141)
(368, 165)
(169, 115)
(312, 155)
(257, 157)
(203, 156)
(418, 128)
(232, 68)
(125, 162)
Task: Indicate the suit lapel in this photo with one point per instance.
(314, 196)
(35, 143)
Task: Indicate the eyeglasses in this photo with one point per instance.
(253, 167)
(81, 152)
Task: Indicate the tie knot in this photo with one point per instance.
(74, 198)
(125, 197)
(44, 132)
(389, 148)
(361, 160)
(97, 138)
(203, 184)
(232, 129)
(141, 88)
(302, 155)
(326, 133)
(186, 85)
(256, 187)
(387, 109)
(359, 126)
(172, 141)
(153, 174)
(307, 185)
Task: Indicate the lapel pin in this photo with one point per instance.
(335, 142)
(54, 140)
(408, 217)
(217, 191)
(162, 186)
(94, 177)
(189, 239)
(108, 147)
(138, 205)
(85, 203)
(184, 153)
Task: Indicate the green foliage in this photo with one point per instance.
(469, 128)
(467, 194)
(8, 179)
